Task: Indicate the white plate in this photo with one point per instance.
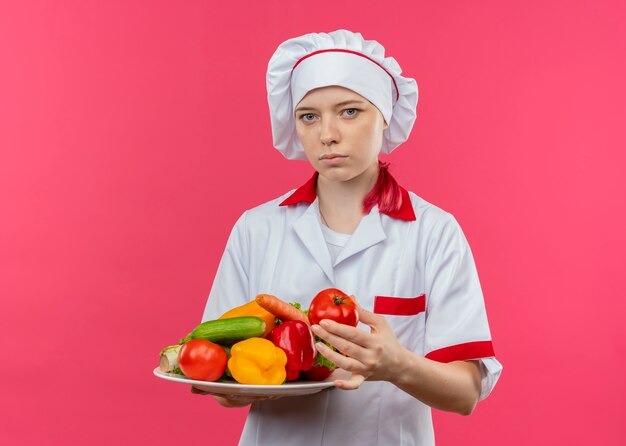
(294, 388)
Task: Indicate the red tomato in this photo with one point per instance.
(201, 359)
(334, 304)
(316, 373)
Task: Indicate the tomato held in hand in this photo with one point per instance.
(202, 360)
(334, 304)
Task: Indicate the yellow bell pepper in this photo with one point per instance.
(257, 361)
(252, 308)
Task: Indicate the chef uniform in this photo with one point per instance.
(414, 266)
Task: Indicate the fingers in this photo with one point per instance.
(367, 317)
(230, 402)
(242, 398)
(353, 383)
(373, 320)
(250, 398)
(198, 391)
(341, 336)
(341, 361)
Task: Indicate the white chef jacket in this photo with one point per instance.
(414, 267)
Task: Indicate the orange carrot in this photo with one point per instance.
(281, 309)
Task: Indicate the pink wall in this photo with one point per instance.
(132, 135)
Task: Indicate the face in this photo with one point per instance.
(341, 131)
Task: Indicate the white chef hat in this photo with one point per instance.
(341, 58)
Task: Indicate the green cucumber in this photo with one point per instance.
(228, 331)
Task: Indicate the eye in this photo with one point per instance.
(307, 117)
(351, 111)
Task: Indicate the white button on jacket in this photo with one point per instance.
(415, 267)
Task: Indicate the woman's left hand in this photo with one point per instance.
(375, 356)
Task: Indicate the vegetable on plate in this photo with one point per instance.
(281, 309)
(169, 358)
(266, 341)
(296, 339)
(202, 360)
(317, 373)
(252, 308)
(257, 361)
(228, 331)
(322, 367)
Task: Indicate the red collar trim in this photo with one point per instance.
(306, 193)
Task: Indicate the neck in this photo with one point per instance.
(341, 202)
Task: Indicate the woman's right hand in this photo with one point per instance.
(232, 401)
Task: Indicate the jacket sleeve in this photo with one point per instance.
(456, 319)
(231, 285)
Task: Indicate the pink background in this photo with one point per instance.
(133, 134)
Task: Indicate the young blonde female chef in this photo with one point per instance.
(338, 102)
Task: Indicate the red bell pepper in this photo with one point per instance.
(296, 339)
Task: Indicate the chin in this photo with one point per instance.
(337, 173)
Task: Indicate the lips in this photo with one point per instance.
(331, 156)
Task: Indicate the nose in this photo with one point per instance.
(329, 133)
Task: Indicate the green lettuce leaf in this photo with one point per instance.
(321, 360)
